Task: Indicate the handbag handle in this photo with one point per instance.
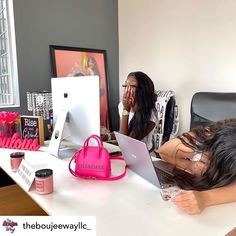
(86, 143)
(102, 178)
(96, 137)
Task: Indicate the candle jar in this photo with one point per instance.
(44, 181)
(16, 158)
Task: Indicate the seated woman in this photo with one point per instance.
(137, 110)
(205, 159)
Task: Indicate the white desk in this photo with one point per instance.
(130, 206)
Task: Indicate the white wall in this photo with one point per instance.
(184, 45)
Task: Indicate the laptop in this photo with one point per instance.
(138, 159)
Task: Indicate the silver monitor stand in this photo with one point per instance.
(58, 133)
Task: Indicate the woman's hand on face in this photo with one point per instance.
(128, 99)
(190, 202)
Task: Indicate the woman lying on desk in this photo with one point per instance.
(208, 157)
(137, 110)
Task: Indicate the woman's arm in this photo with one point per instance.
(194, 202)
(124, 120)
(176, 153)
(128, 103)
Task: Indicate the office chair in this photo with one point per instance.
(207, 107)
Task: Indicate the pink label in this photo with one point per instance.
(44, 185)
(39, 185)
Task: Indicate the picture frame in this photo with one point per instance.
(32, 127)
(75, 61)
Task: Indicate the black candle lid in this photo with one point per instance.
(43, 173)
(17, 154)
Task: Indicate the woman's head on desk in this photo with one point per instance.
(205, 158)
(215, 145)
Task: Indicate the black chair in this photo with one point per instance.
(207, 107)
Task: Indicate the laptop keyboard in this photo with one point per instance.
(163, 165)
(165, 179)
(162, 175)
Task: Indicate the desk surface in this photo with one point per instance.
(130, 206)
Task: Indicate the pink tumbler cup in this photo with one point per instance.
(16, 158)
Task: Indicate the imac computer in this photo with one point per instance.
(76, 112)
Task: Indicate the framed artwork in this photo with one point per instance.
(73, 61)
(32, 127)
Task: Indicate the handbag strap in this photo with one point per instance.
(118, 176)
(102, 178)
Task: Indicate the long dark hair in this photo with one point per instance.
(95, 66)
(145, 98)
(219, 140)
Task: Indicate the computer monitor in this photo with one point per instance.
(76, 110)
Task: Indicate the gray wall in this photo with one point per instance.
(76, 23)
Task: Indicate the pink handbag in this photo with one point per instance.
(94, 162)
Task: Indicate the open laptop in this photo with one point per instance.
(138, 159)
